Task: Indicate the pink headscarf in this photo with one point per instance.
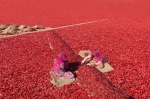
(59, 63)
(97, 55)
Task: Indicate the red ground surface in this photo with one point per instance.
(26, 64)
(25, 60)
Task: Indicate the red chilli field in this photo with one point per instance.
(25, 60)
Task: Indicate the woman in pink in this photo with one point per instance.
(93, 59)
(60, 65)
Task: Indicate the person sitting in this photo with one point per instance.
(60, 66)
(93, 59)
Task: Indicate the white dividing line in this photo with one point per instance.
(60, 27)
(55, 28)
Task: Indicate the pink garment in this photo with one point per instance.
(68, 74)
(61, 63)
(97, 55)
